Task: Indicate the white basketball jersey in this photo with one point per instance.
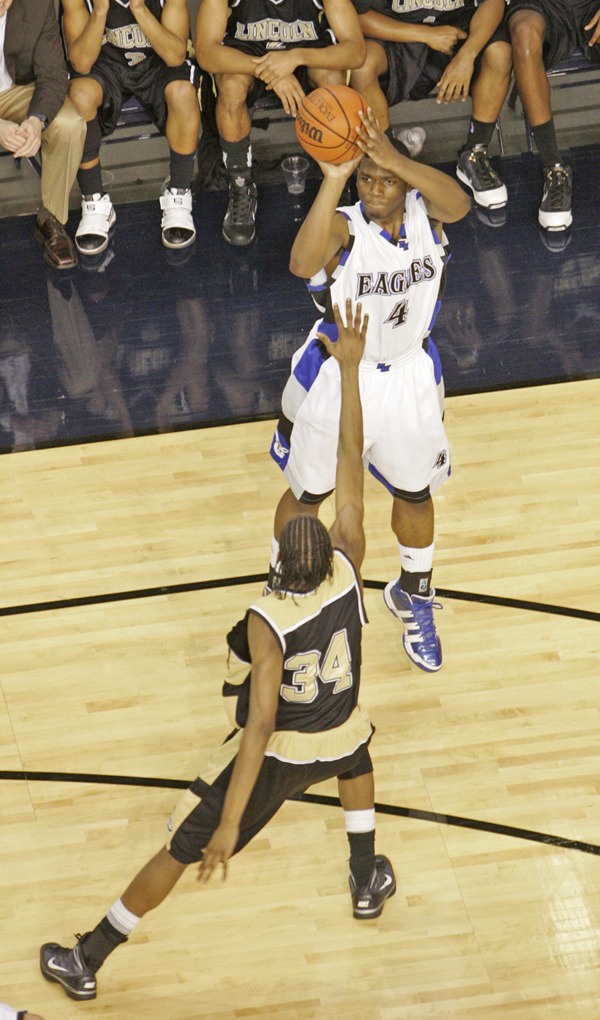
(398, 282)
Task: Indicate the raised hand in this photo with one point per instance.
(374, 143)
(350, 345)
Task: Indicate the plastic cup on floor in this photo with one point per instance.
(295, 169)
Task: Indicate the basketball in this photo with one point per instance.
(326, 123)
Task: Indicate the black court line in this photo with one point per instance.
(315, 798)
(232, 582)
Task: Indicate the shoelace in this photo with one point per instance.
(424, 616)
(557, 187)
(482, 167)
(241, 202)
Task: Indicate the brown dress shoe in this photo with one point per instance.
(59, 249)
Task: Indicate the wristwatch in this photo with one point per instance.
(42, 117)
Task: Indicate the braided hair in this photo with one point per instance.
(305, 555)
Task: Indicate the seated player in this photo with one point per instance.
(257, 46)
(295, 662)
(544, 32)
(118, 50)
(414, 46)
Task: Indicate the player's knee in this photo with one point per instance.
(527, 36)
(181, 98)
(86, 96)
(326, 76)
(232, 90)
(497, 58)
(375, 64)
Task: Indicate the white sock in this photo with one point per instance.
(416, 561)
(360, 821)
(122, 919)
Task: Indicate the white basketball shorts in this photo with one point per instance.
(405, 443)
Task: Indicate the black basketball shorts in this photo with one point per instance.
(565, 20)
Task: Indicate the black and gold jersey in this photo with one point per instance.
(320, 638)
(261, 25)
(123, 38)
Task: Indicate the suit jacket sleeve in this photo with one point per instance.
(49, 68)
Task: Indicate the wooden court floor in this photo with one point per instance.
(488, 773)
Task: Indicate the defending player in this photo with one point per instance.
(387, 252)
(297, 709)
(288, 48)
(136, 48)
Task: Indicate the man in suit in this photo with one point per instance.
(35, 114)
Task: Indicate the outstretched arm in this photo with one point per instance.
(445, 199)
(347, 532)
(267, 666)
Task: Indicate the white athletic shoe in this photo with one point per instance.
(413, 138)
(97, 220)
(178, 230)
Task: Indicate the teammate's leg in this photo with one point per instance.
(233, 123)
(528, 32)
(97, 212)
(365, 80)
(488, 93)
(182, 131)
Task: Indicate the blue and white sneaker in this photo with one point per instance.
(420, 640)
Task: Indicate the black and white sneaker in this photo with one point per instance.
(474, 170)
(67, 968)
(98, 217)
(239, 225)
(177, 224)
(368, 900)
(555, 208)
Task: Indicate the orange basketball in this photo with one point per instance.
(326, 123)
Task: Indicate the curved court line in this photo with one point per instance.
(316, 798)
(230, 582)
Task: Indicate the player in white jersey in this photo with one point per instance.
(386, 251)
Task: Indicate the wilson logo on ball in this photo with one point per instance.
(327, 123)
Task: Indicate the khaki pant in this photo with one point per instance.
(62, 146)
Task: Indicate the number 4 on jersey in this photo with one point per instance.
(398, 315)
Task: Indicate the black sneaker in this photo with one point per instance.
(474, 170)
(368, 900)
(67, 967)
(555, 209)
(239, 225)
